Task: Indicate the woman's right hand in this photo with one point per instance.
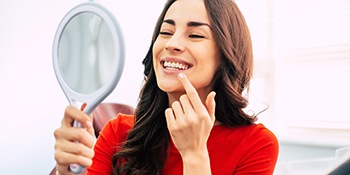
(74, 145)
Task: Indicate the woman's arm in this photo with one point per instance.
(197, 163)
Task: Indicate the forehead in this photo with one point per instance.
(188, 10)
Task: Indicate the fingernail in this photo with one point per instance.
(181, 75)
(83, 106)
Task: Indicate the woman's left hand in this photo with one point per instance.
(189, 121)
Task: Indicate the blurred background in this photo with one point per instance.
(302, 74)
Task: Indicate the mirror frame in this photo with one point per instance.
(95, 98)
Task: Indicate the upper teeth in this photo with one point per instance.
(175, 65)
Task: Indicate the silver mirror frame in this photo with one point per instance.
(92, 99)
(95, 98)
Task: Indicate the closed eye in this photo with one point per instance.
(165, 33)
(196, 36)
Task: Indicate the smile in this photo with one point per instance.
(175, 65)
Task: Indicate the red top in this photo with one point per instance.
(232, 150)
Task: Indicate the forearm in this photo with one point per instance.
(196, 164)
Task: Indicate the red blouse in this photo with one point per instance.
(232, 150)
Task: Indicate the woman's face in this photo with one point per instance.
(186, 44)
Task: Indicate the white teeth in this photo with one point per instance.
(174, 66)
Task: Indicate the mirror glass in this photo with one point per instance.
(86, 54)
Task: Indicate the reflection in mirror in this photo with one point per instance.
(86, 53)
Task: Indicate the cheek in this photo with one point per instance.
(216, 56)
(211, 58)
(211, 65)
(155, 52)
(158, 46)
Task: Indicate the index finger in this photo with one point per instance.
(191, 92)
(71, 113)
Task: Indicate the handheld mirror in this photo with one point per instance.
(88, 57)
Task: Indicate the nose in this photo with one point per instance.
(175, 43)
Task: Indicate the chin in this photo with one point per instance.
(168, 84)
(170, 87)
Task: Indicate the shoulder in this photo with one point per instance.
(124, 121)
(251, 149)
(111, 136)
(257, 136)
(259, 149)
(259, 131)
(248, 139)
(256, 132)
(118, 127)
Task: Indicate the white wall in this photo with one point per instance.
(31, 101)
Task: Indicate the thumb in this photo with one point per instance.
(211, 104)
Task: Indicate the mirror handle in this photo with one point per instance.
(76, 168)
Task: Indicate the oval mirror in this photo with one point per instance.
(88, 57)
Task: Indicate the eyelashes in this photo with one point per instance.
(165, 33)
(194, 36)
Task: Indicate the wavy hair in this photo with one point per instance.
(145, 150)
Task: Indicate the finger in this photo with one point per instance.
(170, 118)
(75, 134)
(64, 158)
(177, 110)
(62, 169)
(89, 126)
(210, 104)
(71, 113)
(191, 92)
(74, 148)
(186, 104)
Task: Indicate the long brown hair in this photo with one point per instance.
(145, 150)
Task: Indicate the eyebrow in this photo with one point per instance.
(189, 24)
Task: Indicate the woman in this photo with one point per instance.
(190, 118)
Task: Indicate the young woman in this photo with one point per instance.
(190, 118)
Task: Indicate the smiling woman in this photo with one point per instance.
(190, 118)
(187, 42)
